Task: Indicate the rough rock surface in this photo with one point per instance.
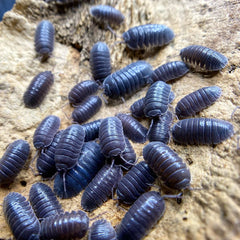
(213, 211)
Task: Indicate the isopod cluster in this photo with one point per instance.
(97, 157)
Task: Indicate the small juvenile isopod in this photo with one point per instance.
(170, 71)
(135, 182)
(146, 36)
(208, 131)
(20, 217)
(91, 130)
(107, 14)
(157, 99)
(197, 101)
(133, 129)
(44, 201)
(38, 89)
(141, 216)
(85, 110)
(167, 165)
(128, 80)
(203, 59)
(45, 132)
(102, 230)
(81, 91)
(100, 61)
(111, 137)
(73, 225)
(44, 39)
(13, 160)
(101, 187)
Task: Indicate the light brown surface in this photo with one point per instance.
(210, 213)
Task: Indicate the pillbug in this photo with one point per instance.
(141, 216)
(197, 101)
(167, 165)
(137, 108)
(81, 91)
(45, 162)
(101, 187)
(128, 80)
(170, 71)
(157, 99)
(208, 131)
(111, 137)
(85, 110)
(133, 129)
(107, 14)
(76, 179)
(91, 130)
(146, 36)
(20, 217)
(100, 61)
(13, 160)
(38, 89)
(203, 59)
(135, 183)
(45, 132)
(160, 128)
(69, 147)
(44, 201)
(102, 230)
(65, 226)
(44, 39)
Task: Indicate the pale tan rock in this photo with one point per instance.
(210, 213)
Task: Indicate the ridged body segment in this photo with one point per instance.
(91, 130)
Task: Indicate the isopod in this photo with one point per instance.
(91, 130)
(38, 89)
(137, 108)
(208, 131)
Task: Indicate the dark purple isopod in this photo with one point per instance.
(141, 216)
(111, 137)
(13, 160)
(38, 89)
(45, 132)
(198, 131)
(107, 14)
(102, 230)
(170, 71)
(137, 181)
(160, 128)
(157, 99)
(44, 201)
(197, 101)
(45, 162)
(203, 59)
(132, 128)
(91, 130)
(167, 165)
(65, 226)
(69, 147)
(87, 109)
(44, 39)
(81, 91)
(20, 217)
(128, 80)
(127, 158)
(100, 61)
(146, 36)
(89, 163)
(101, 187)
(137, 108)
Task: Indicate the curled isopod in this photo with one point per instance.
(148, 36)
(38, 89)
(208, 131)
(13, 160)
(44, 39)
(197, 101)
(203, 59)
(167, 165)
